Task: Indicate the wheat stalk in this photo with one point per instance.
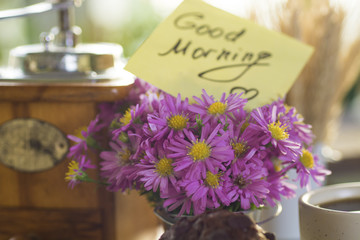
(332, 69)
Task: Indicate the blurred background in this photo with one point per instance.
(327, 92)
(331, 26)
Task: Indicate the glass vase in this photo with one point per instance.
(261, 215)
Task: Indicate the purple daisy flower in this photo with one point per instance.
(303, 132)
(249, 186)
(76, 172)
(211, 110)
(118, 164)
(206, 193)
(171, 118)
(133, 117)
(197, 155)
(308, 165)
(79, 149)
(298, 131)
(243, 140)
(156, 171)
(278, 187)
(85, 140)
(95, 126)
(274, 131)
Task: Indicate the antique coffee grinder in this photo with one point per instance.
(49, 90)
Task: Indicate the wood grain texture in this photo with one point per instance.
(41, 202)
(50, 224)
(64, 92)
(38, 189)
(134, 216)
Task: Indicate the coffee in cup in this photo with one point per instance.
(331, 213)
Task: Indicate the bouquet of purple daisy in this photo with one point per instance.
(192, 156)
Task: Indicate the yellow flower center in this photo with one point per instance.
(277, 131)
(241, 182)
(164, 167)
(125, 120)
(239, 148)
(217, 108)
(123, 137)
(212, 180)
(124, 156)
(307, 159)
(177, 122)
(73, 171)
(199, 151)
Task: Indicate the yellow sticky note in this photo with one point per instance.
(202, 47)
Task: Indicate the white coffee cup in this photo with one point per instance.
(319, 222)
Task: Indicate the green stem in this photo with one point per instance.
(88, 179)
